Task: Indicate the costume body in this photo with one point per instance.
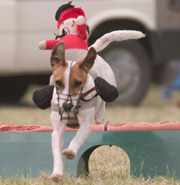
(72, 41)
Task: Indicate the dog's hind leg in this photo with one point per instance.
(81, 136)
(100, 112)
(57, 147)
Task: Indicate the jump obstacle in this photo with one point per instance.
(153, 148)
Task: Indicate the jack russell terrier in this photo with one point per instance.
(75, 101)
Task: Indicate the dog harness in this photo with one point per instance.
(82, 104)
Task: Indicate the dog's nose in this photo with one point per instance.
(67, 106)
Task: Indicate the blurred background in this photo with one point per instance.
(147, 70)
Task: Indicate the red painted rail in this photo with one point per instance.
(131, 126)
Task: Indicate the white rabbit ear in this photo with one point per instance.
(58, 55)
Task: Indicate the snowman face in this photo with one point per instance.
(68, 27)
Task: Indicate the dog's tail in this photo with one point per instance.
(116, 36)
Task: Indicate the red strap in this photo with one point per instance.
(88, 92)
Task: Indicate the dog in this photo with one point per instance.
(75, 101)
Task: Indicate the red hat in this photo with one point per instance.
(70, 13)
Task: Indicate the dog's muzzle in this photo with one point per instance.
(67, 106)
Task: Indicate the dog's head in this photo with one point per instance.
(70, 77)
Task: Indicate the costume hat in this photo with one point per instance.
(67, 11)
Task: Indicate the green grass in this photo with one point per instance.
(110, 167)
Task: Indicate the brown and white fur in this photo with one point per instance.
(72, 78)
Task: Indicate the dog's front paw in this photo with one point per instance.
(56, 177)
(69, 153)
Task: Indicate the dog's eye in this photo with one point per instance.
(59, 83)
(77, 84)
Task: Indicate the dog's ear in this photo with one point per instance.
(58, 54)
(88, 62)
